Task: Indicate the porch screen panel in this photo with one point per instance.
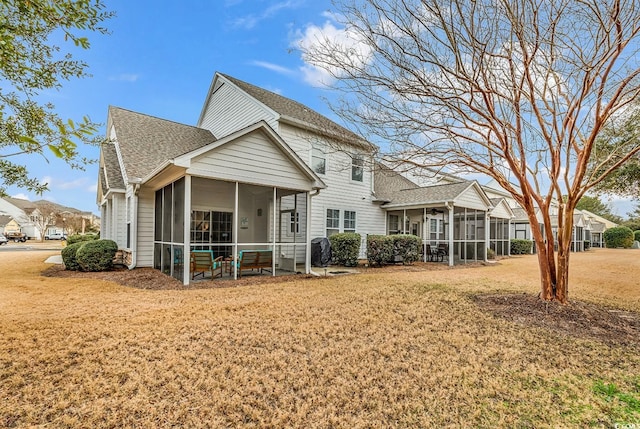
(178, 211)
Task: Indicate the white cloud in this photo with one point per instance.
(93, 188)
(250, 21)
(332, 42)
(273, 67)
(125, 77)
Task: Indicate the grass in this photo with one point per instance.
(381, 349)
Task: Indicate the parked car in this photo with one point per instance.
(16, 236)
(3, 239)
(55, 236)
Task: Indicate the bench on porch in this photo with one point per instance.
(255, 259)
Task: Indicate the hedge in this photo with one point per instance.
(636, 235)
(407, 247)
(345, 248)
(521, 247)
(379, 249)
(96, 255)
(69, 256)
(620, 236)
(78, 238)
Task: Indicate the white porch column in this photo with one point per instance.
(424, 234)
(404, 221)
(273, 241)
(186, 253)
(509, 240)
(451, 234)
(235, 234)
(487, 234)
(307, 257)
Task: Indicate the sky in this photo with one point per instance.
(160, 59)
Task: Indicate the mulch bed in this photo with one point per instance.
(578, 319)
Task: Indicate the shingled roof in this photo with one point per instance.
(387, 182)
(111, 177)
(429, 194)
(146, 142)
(298, 112)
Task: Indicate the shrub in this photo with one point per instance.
(620, 236)
(407, 247)
(636, 235)
(379, 249)
(96, 255)
(345, 248)
(521, 247)
(69, 256)
(491, 254)
(78, 238)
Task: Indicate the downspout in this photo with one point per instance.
(134, 227)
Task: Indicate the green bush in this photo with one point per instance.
(491, 254)
(96, 255)
(345, 248)
(379, 249)
(78, 238)
(620, 236)
(636, 235)
(69, 256)
(407, 247)
(521, 247)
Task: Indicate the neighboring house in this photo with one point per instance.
(27, 217)
(262, 171)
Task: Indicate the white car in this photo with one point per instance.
(3, 239)
(55, 236)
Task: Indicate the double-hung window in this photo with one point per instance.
(318, 159)
(357, 168)
(333, 222)
(349, 221)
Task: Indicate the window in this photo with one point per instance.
(349, 221)
(318, 159)
(394, 221)
(333, 222)
(294, 224)
(357, 168)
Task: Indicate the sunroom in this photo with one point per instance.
(245, 194)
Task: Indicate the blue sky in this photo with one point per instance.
(161, 56)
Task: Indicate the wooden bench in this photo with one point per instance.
(203, 261)
(255, 259)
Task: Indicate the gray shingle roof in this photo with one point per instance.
(520, 214)
(289, 108)
(429, 194)
(387, 183)
(146, 142)
(113, 177)
(598, 226)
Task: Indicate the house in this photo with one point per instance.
(39, 218)
(261, 171)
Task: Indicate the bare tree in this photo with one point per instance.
(514, 89)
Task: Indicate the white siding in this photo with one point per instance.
(253, 158)
(230, 109)
(500, 211)
(341, 193)
(146, 203)
(119, 220)
(471, 199)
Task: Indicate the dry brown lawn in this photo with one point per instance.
(400, 347)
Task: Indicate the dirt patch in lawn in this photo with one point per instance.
(578, 319)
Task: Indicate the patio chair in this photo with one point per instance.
(202, 261)
(443, 250)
